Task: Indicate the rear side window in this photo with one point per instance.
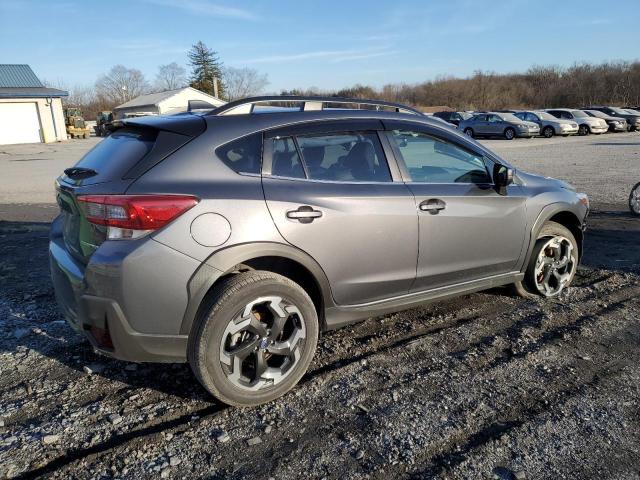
(345, 157)
(286, 160)
(243, 155)
(117, 154)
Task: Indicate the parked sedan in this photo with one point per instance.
(616, 124)
(633, 119)
(453, 117)
(586, 124)
(493, 124)
(549, 125)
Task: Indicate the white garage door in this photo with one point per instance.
(19, 123)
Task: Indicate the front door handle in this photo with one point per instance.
(304, 214)
(433, 206)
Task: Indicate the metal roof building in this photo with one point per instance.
(171, 101)
(29, 111)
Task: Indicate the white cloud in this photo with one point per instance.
(335, 56)
(203, 7)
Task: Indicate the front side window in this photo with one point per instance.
(345, 157)
(494, 119)
(531, 118)
(432, 160)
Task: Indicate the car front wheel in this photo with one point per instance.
(553, 263)
(634, 199)
(583, 130)
(468, 132)
(509, 134)
(255, 338)
(548, 132)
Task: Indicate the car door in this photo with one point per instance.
(530, 117)
(495, 125)
(467, 230)
(331, 193)
(480, 125)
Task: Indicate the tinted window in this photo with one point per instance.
(286, 160)
(431, 160)
(521, 115)
(114, 156)
(494, 119)
(530, 117)
(344, 157)
(243, 155)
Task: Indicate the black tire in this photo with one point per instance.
(583, 130)
(509, 133)
(469, 132)
(548, 132)
(527, 287)
(634, 206)
(224, 304)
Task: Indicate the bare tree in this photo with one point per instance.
(121, 84)
(243, 82)
(170, 77)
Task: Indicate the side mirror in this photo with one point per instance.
(502, 178)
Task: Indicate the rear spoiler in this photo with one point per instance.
(182, 123)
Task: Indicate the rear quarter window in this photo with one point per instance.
(243, 155)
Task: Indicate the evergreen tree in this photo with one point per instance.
(205, 67)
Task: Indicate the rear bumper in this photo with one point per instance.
(99, 296)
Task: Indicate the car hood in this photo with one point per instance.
(592, 121)
(533, 180)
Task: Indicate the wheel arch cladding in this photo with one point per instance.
(570, 221)
(282, 259)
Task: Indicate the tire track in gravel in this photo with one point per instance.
(173, 422)
(457, 449)
(151, 429)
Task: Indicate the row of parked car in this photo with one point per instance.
(512, 124)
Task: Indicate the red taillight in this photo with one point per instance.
(135, 212)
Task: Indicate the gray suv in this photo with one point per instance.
(232, 238)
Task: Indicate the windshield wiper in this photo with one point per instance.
(79, 173)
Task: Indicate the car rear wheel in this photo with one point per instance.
(634, 199)
(255, 338)
(548, 132)
(509, 134)
(469, 132)
(583, 130)
(552, 265)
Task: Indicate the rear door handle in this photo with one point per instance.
(304, 214)
(433, 206)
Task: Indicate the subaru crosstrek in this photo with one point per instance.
(232, 238)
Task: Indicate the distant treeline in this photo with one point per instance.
(611, 83)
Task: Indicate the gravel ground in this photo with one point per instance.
(483, 386)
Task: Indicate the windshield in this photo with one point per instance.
(509, 117)
(618, 110)
(596, 113)
(579, 114)
(465, 115)
(545, 116)
(632, 111)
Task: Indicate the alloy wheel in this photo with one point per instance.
(548, 132)
(509, 134)
(262, 344)
(555, 266)
(634, 200)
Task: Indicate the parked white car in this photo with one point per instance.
(586, 124)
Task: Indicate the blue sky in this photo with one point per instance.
(326, 44)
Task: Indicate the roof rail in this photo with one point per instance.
(247, 105)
